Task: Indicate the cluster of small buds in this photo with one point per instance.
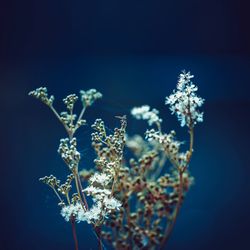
(68, 151)
(42, 94)
(100, 135)
(75, 198)
(66, 187)
(109, 145)
(70, 101)
(51, 180)
(146, 161)
(89, 97)
(67, 119)
(145, 113)
(170, 146)
(184, 102)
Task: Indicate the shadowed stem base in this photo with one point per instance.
(74, 232)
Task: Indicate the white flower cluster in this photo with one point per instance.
(145, 113)
(104, 203)
(170, 145)
(79, 214)
(92, 215)
(72, 210)
(100, 178)
(167, 140)
(184, 102)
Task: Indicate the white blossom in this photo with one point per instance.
(145, 113)
(92, 215)
(71, 210)
(100, 178)
(184, 102)
(92, 190)
(111, 203)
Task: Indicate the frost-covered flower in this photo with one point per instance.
(168, 141)
(71, 210)
(111, 203)
(92, 215)
(91, 190)
(145, 113)
(184, 102)
(100, 178)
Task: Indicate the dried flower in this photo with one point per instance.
(100, 178)
(72, 210)
(135, 200)
(145, 113)
(184, 102)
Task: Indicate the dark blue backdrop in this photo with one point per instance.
(131, 51)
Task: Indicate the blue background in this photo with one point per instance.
(132, 52)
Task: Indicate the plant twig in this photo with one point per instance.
(74, 232)
(170, 227)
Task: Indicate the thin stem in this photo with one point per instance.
(83, 195)
(67, 196)
(191, 144)
(59, 118)
(113, 186)
(74, 232)
(71, 117)
(79, 118)
(158, 124)
(59, 197)
(169, 228)
(127, 209)
(160, 166)
(98, 234)
(79, 193)
(81, 114)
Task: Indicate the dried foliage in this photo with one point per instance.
(135, 201)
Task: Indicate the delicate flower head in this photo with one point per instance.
(111, 203)
(88, 97)
(100, 178)
(145, 113)
(42, 94)
(91, 190)
(71, 210)
(92, 215)
(70, 100)
(184, 102)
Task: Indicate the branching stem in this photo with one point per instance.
(172, 222)
(170, 227)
